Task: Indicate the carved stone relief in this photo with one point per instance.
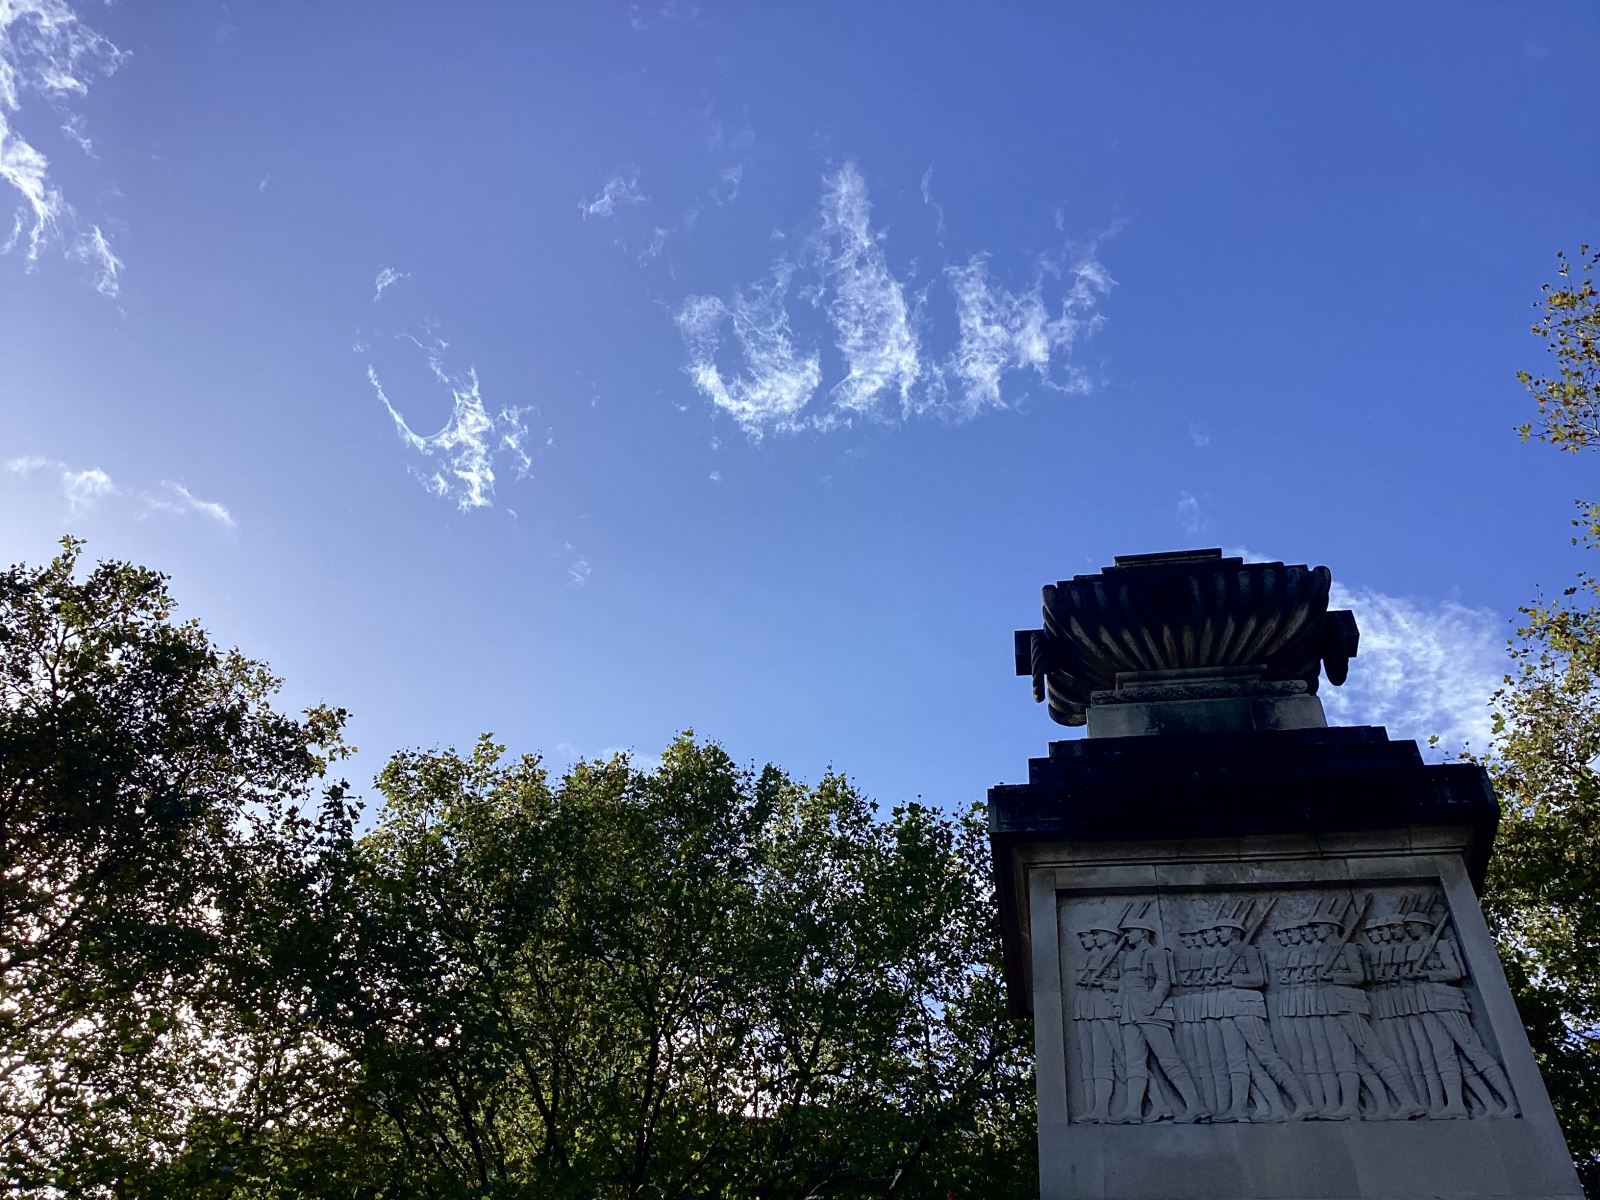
(1319, 1004)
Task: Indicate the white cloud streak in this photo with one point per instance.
(842, 270)
(779, 379)
(726, 190)
(1003, 331)
(93, 249)
(929, 202)
(471, 442)
(84, 488)
(47, 53)
(872, 322)
(386, 278)
(1189, 513)
(619, 191)
(180, 500)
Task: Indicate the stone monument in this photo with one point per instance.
(1250, 942)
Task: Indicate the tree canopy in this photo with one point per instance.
(694, 979)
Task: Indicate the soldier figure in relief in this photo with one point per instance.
(1304, 1013)
(1394, 1013)
(1094, 1012)
(1188, 1009)
(1144, 1007)
(1287, 1033)
(1242, 976)
(1359, 1055)
(1210, 1007)
(1433, 964)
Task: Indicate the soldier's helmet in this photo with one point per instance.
(1139, 916)
(1231, 916)
(1329, 912)
(1416, 909)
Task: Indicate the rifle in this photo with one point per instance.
(1433, 940)
(1250, 936)
(1116, 951)
(1349, 934)
(1255, 930)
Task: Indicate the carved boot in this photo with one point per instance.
(1194, 1108)
(1330, 1096)
(1349, 1097)
(1100, 1110)
(1407, 1106)
(1496, 1079)
(1455, 1108)
(1436, 1099)
(1239, 1095)
(1265, 1089)
(1314, 1096)
(1133, 1112)
(1304, 1109)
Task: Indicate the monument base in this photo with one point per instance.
(1371, 1154)
(1250, 943)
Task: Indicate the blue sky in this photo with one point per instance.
(587, 372)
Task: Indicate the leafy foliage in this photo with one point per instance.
(692, 980)
(1545, 874)
(152, 852)
(1569, 324)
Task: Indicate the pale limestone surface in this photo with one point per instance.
(1185, 885)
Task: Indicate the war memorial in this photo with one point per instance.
(1250, 943)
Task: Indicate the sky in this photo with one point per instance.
(586, 373)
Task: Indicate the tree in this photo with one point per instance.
(1544, 878)
(153, 865)
(1569, 325)
(690, 981)
(694, 979)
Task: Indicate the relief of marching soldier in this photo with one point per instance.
(1238, 981)
(1359, 1056)
(1094, 1013)
(1424, 1009)
(1145, 1013)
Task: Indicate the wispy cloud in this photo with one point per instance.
(578, 569)
(726, 189)
(872, 322)
(620, 190)
(85, 488)
(929, 202)
(841, 269)
(658, 243)
(779, 379)
(1003, 331)
(93, 249)
(386, 278)
(472, 440)
(669, 11)
(1189, 513)
(180, 500)
(82, 489)
(1199, 435)
(1426, 668)
(48, 54)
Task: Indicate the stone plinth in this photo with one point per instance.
(1250, 943)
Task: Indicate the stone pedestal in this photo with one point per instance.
(1251, 944)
